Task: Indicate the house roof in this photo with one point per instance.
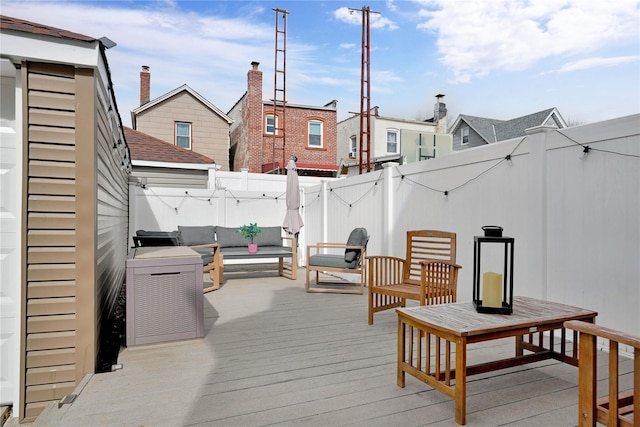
(16, 24)
(168, 95)
(493, 130)
(148, 148)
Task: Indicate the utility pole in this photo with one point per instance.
(280, 90)
(365, 93)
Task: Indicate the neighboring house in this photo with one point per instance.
(64, 202)
(157, 163)
(393, 140)
(257, 134)
(470, 131)
(184, 118)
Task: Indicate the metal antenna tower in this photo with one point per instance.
(280, 90)
(365, 93)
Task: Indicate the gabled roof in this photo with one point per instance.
(493, 130)
(16, 24)
(168, 95)
(148, 148)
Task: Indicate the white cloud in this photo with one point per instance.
(347, 45)
(475, 38)
(354, 17)
(588, 63)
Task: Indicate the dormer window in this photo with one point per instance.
(464, 135)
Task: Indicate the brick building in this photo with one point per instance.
(260, 143)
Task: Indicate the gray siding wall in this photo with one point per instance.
(475, 140)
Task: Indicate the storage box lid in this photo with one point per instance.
(164, 252)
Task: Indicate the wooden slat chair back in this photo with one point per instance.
(618, 408)
(425, 245)
(428, 274)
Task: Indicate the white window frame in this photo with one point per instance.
(266, 124)
(395, 132)
(464, 132)
(177, 136)
(353, 146)
(309, 134)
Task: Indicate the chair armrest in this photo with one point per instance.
(439, 281)
(427, 262)
(208, 245)
(385, 270)
(329, 245)
(291, 239)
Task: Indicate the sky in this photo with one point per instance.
(498, 59)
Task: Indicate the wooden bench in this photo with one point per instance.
(618, 408)
(428, 274)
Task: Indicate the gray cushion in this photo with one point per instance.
(157, 238)
(330, 260)
(197, 234)
(270, 236)
(358, 237)
(146, 233)
(229, 237)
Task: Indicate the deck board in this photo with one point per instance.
(276, 355)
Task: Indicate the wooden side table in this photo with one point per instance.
(427, 334)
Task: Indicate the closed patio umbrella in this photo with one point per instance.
(292, 220)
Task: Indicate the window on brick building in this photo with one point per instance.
(270, 124)
(315, 132)
(183, 135)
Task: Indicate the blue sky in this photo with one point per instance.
(491, 58)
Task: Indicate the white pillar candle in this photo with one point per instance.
(492, 289)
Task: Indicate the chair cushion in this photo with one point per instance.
(145, 233)
(197, 234)
(270, 236)
(331, 260)
(157, 238)
(206, 254)
(229, 237)
(358, 237)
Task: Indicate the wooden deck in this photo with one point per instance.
(276, 355)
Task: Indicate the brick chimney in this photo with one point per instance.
(145, 85)
(253, 117)
(440, 114)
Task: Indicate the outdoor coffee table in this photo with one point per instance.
(427, 334)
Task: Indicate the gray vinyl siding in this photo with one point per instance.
(167, 177)
(475, 139)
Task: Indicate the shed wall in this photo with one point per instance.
(75, 229)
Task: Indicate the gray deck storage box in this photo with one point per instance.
(164, 295)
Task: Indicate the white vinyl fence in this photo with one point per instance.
(575, 218)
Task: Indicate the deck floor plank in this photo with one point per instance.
(276, 355)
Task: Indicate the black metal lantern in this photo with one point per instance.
(493, 272)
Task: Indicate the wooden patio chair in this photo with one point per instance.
(428, 274)
(617, 408)
(350, 260)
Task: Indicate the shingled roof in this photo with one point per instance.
(148, 148)
(493, 130)
(16, 24)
